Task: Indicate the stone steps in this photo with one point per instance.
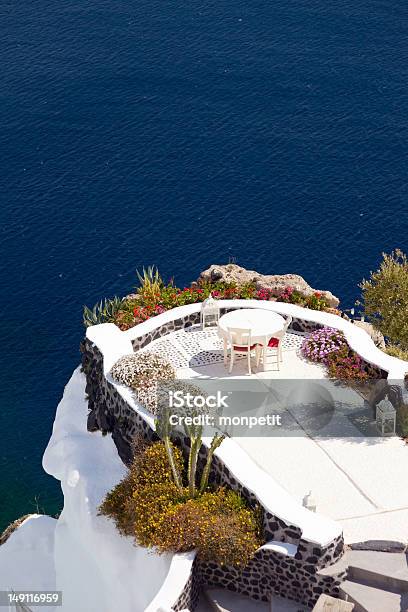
(367, 598)
(203, 604)
(376, 581)
(326, 603)
(380, 569)
(222, 600)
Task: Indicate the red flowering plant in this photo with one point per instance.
(125, 318)
(229, 291)
(292, 296)
(142, 313)
(247, 291)
(316, 301)
(153, 297)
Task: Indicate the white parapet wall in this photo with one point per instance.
(179, 574)
(357, 338)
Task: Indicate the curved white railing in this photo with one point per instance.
(357, 338)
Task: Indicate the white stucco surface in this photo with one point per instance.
(27, 557)
(81, 553)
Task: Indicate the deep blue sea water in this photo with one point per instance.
(182, 134)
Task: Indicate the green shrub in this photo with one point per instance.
(115, 505)
(397, 351)
(385, 298)
(142, 372)
(316, 301)
(151, 283)
(217, 524)
(148, 506)
(125, 316)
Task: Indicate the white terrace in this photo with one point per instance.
(357, 480)
(195, 352)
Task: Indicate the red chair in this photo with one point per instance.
(275, 343)
(240, 342)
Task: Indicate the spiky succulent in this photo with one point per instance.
(103, 312)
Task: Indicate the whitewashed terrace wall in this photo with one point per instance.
(316, 530)
(356, 337)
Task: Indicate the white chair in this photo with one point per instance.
(240, 342)
(274, 345)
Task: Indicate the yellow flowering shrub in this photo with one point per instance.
(150, 467)
(217, 524)
(148, 505)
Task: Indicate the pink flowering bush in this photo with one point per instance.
(322, 343)
(153, 297)
(264, 294)
(329, 346)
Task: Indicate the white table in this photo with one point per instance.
(263, 324)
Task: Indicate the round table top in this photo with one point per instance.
(260, 322)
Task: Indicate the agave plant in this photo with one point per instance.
(103, 312)
(151, 283)
(165, 429)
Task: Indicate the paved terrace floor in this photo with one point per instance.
(357, 479)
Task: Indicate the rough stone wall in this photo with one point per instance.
(108, 411)
(269, 572)
(304, 327)
(167, 328)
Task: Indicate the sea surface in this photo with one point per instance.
(182, 134)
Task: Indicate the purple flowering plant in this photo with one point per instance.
(330, 347)
(322, 343)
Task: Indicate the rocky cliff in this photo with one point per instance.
(275, 282)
